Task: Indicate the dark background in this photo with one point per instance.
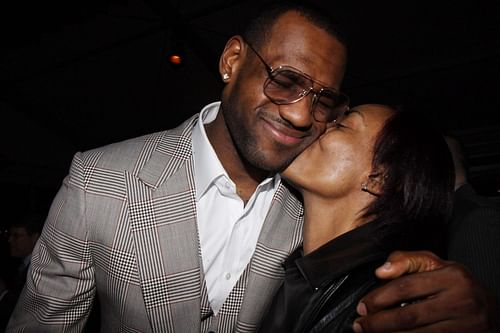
(79, 74)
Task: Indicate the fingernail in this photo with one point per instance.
(386, 266)
(361, 309)
(357, 328)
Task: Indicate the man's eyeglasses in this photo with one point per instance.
(287, 85)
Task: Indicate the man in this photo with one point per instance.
(474, 230)
(22, 236)
(187, 230)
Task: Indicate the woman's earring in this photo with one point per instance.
(225, 77)
(364, 188)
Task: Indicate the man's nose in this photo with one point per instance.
(299, 113)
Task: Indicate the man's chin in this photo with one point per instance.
(273, 166)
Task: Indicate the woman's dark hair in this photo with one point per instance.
(418, 182)
(258, 28)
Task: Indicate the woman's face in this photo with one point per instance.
(339, 162)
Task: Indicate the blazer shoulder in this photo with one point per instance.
(125, 155)
(130, 155)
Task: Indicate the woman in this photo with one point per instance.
(376, 181)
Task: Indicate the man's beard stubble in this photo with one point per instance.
(246, 144)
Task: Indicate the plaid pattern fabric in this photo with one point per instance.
(124, 225)
(226, 318)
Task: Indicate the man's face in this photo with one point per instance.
(266, 135)
(21, 242)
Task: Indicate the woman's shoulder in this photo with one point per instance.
(338, 311)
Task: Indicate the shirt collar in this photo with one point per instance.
(339, 256)
(207, 167)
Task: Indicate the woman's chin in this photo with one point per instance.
(289, 176)
(288, 173)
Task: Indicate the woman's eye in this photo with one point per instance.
(339, 125)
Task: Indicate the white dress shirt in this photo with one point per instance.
(228, 229)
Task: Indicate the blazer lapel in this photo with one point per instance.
(280, 235)
(162, 212)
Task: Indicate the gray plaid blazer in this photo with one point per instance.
(123, 225)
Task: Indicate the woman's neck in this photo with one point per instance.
(326, 218)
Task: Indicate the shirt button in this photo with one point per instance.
(228, 276)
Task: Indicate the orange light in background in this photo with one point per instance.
(175, 59)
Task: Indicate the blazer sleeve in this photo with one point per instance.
(60, 286)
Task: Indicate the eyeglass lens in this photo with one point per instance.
(286, 87)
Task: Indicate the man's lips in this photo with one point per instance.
(283, 134)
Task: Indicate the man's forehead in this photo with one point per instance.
(294, 41)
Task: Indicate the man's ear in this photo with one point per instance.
(230, 58)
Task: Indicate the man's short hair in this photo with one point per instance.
(258, 28)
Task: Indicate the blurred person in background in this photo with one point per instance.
(474, 230)
(21, 237)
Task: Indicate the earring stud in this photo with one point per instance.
(364, 188)
(225, 76)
